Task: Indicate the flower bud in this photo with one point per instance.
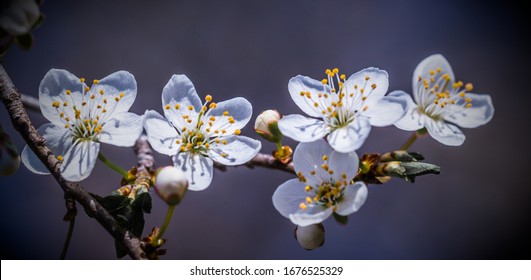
(18, 16)
(266, 125)
(310, 237)
(171, 184)
(9, 157)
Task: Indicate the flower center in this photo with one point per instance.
(337, 104)
(83, 114)
(329, 192)
(194, 142)
(439, 96)
(198, 136)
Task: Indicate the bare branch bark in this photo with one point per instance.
(268, 161)
(13, 103)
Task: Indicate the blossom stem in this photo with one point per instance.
(279, 145)
(112, 166)
(166, 222)
(68, 238)
(409, 142)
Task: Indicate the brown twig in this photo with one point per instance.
(12, 101)
(261, 160)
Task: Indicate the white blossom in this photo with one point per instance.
(81, 118)
(442, 103)
(324, 185)
(195, 133)
(344, 114)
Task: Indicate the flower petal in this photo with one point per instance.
(122, 130)
(447, 134)
(52, 89)
(79, 160)
(237, 150)
(350, 138)
(372, 88)
(57, 138)
(314, 214)
(353, 198)
(161, 134)
(302, 129)
(479, 114)
(305, 84)
(431, 63)
(198, 170)
(112, 86)
(343, 164)
(388, 109)
(413, 120)
(238, 108)
(308, 157)
(288, 196)
(180, 90)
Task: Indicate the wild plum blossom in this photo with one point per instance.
(442, 103)
(195, 134)
(324, 185)
(81, 118)
(344, 114)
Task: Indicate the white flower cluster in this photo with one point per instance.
(343, 110)
(197, 133)
(194, 133)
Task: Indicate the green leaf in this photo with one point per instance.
(113, 202)
(143, 201)
(120, 249)
(343, 220)
(39, 21)
(137, 223)
(24, 41)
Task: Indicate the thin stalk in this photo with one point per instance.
(113, 166)
(409, 141)
(68, 238)
(166, 222)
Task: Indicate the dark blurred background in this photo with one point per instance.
(478, 208)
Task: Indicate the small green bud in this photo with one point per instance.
(171, 184)
(310, 237)
(266, 125)
(406, 170)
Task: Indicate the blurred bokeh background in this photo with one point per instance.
(478, 208)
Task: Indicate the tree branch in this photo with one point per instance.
(268, 161)
(12, 101)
